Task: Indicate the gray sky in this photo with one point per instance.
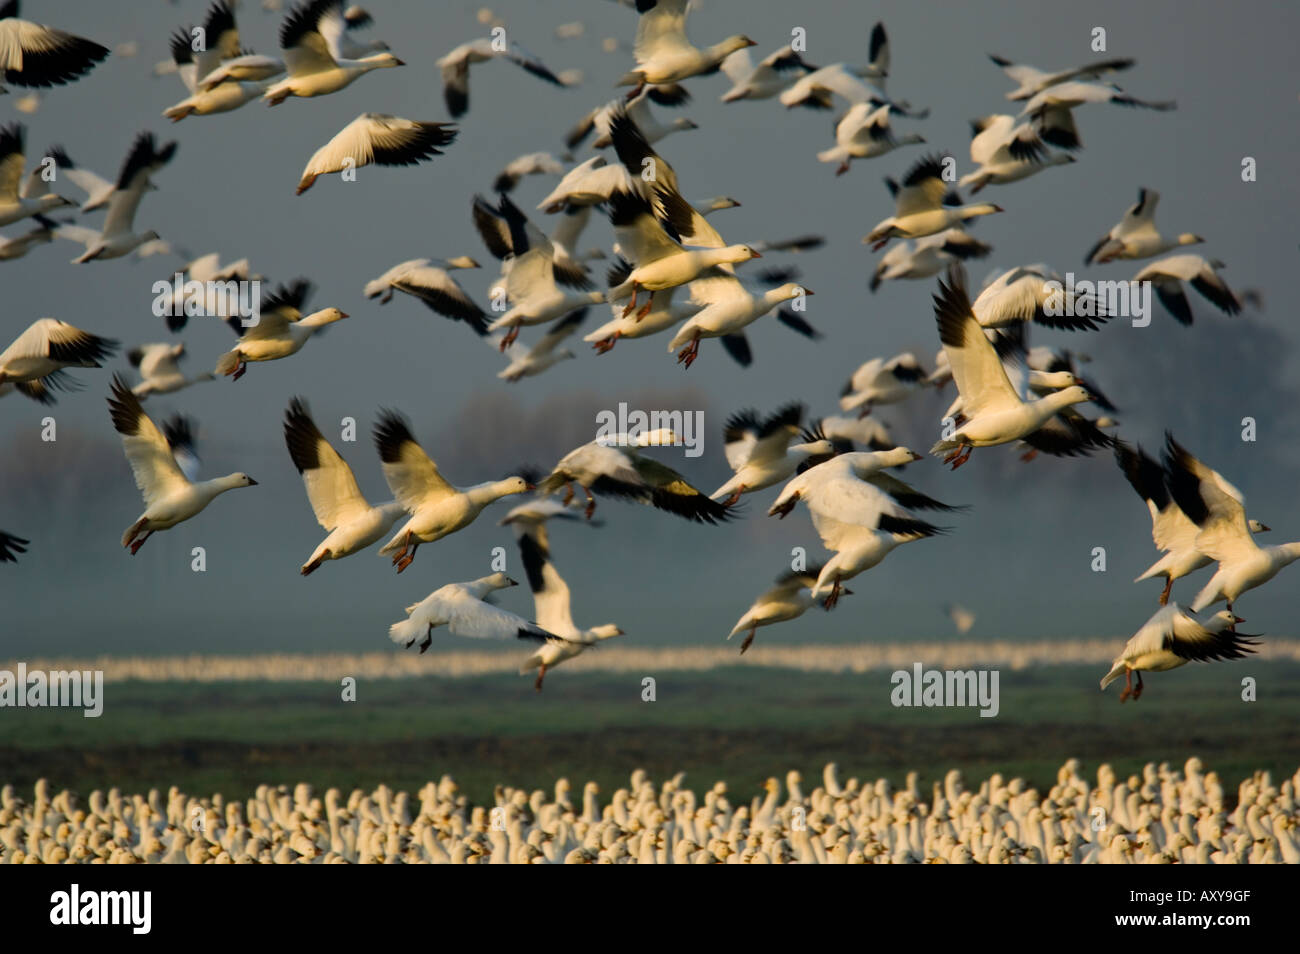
(1020, 558)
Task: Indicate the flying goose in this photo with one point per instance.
(179, 430)
(993, 410)
(192, 66)
(858, 522)
(529, 164)
(868, 466)
(774, 73)
(1023, 294)
(1033, 80)
(1006, 152)
(159, 371)
(309, 38)
(551, 603)
(611, 466)
(1172, 530)
(662, 313)
(926, 257)
(923, 205)
(664, 54)
(728, 307)
(436, 508)
(11, 546)
(760, 453)
(789, 599)
(379, 138)
(882, 381)
(16, 246)
(117, 239)
(500, 228)
(427, 280)
(351, 522)
(637, 109)
(1135, 235)
(19, 197)
(170, 497)
(1172, 638)
(1225, 536)
(455, 69)
(527, 362)
(462, 608)
(215, 297)
(1051, 109)
(280, 330)
(1168, 274)
(864, 133)
(36, 55)
(98, 189)
(530, 271)
(33, 364)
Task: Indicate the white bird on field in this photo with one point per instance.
(789, 599)
(1171, 638)
(1136, 236)
(380, 139)
(462, 608)
(437, 508)
(351, 522)
(280, 329)
(923, 206)
(1173, 531)
(1168, 274)
(664, 54)
(32, 54)
(1219, 510)
(760, 453)
(160, 372)
(19, 197)
(310, 38)
(117, 239)
(551, 598)
(170, 497)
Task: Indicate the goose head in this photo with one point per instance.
(735, 254)
(380, 61)
(498, 581)
(513, 485)
(659, 437)
(733, 43)
(238, 480)
(1190, 238)
(606, 631)
(462, 261)
(788, 292)
(1257, 527)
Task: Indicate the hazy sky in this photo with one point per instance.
(1020, 558)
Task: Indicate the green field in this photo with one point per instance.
(737, 724)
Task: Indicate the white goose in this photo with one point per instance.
(281, 329)
(1033, 80)
(546, 353)
(760, 453)
(864, 133)
(117, 239)
(1023, 294)
(1006, 152)
(427, 280)
(437, 508)
(98, 189)
(351, 522)
(159, 371)
(170, 497)
(220, 42)
(42, 352)
(223, 59)
(1171, 638)
(1136, 235)
(529, 164)
(774, 73)
(921, 206)
(309, 38)
(1172, 530)
(883, 381)
(1168, 274)
(926, 257)
(638, 110)
(1218, 508)
(995, 413)
(379, 138)
(16, 246)
(662, 52)
(789, 599)
(663, 314)
(19, 197)
(551, 602)
(868, 466)
(728, 307)
(611, 466)
(461, 607)
(35, 55)
(455, 69)
(530, 281)
(1051, 109)
(213, 298)
(858, 522)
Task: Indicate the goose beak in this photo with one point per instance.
(344, 314)
(1237, 619)
(528, 486)
(398, 62)
(252, 482)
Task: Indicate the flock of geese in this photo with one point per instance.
(1165, 815)
(670, 271)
